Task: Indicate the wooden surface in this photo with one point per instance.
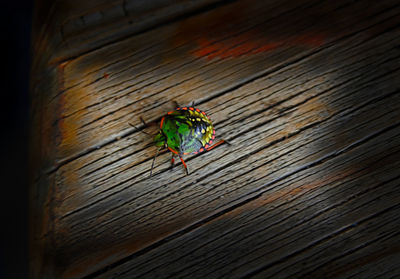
(306, 92)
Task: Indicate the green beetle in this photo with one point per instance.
(186, 130)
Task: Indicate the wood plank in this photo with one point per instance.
(123, 153)
(105, 22)
(108, 95)
(41, 191)
(279, 145)
(64, 30)
(312, 112)
(317, 208)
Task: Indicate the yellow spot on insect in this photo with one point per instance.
(198, 119)
(203, 131)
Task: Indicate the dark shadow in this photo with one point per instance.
(16, 25)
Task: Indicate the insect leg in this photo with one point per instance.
(176, 104)
(172, 160)
(216, 144)
(146, 125)
(154, 159)
(184, 165)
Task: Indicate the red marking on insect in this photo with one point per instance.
(213, 137)
(170, 112)
(206, 146)
(178, 108)
(197, 110)
(191, 108)
(203, 113)
(162, 122)
(195, 152)
(201, 150)
(185, 108)
(214, 132)
(105, 75)
(210, 142)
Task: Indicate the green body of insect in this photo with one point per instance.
(184, 131)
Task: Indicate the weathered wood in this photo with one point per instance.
(307, 188)
(146, 72)
(313, 210)
(65, 30)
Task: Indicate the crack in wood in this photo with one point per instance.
(317, 242)
(270, 225)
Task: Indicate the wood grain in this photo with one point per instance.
(308, 97)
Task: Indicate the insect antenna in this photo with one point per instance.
(154, 159)
(140, 130)
(176, 104)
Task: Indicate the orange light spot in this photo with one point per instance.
(250, 43)
(191, 108)
(184, 108)
(178, 108)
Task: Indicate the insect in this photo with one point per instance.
(185, 130)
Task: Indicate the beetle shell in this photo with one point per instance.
(188, 130)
